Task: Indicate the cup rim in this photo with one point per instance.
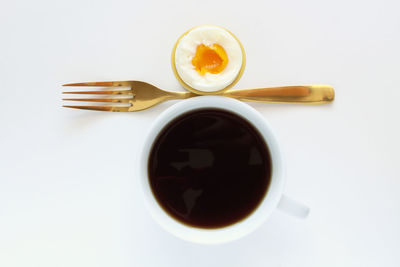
(252, 221)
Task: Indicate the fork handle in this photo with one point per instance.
(179, 95)
(304, 94)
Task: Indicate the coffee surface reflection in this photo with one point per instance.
(209, 168)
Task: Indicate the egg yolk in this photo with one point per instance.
(212, 59)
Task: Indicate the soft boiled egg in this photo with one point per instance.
(208, 59)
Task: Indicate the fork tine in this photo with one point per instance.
(113, 92)
(100, 108)
(114, 100)
(103, 84)
(106, 84)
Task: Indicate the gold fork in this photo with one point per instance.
(142, 95)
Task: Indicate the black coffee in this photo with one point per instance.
(209, 168)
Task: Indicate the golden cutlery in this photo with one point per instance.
(142, 95)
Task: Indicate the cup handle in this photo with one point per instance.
(293, 207)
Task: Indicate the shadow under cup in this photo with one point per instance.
(211, 169)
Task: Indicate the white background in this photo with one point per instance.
(68, 187)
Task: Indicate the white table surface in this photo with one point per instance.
(68, 186)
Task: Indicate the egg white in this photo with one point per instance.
(207, 35)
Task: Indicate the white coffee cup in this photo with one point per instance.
(273, 199)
